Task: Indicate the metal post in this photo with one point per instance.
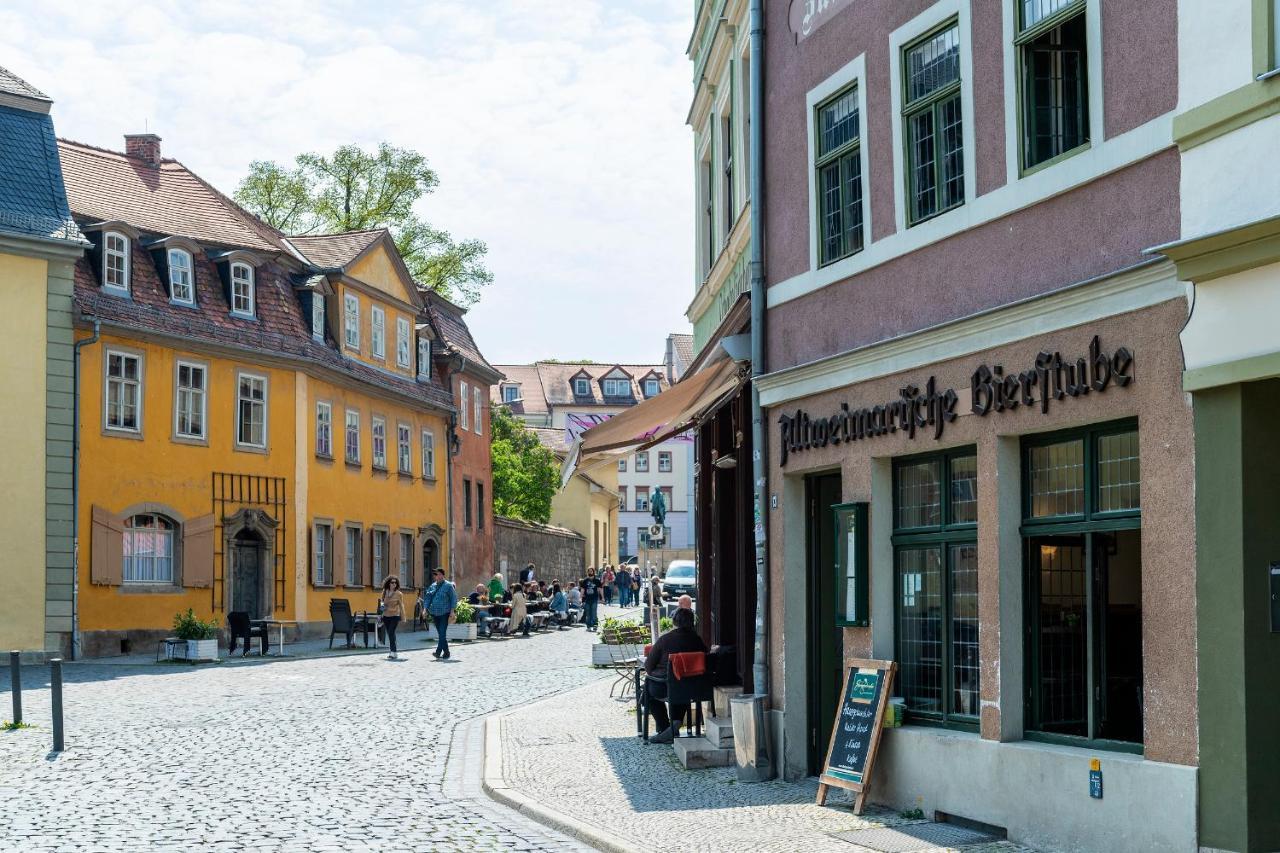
(15, 685)
(55, 681)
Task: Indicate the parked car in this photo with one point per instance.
(681, 579)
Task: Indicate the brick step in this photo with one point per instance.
(719, 731)
(697, 752)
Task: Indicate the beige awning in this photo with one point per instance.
(655, 420)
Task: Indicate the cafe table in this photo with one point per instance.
(375, 619)
(278, 623)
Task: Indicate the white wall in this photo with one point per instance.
(1215, 49)
(1232, 180)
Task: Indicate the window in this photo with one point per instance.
(378, 546)
(622, 466)
(351, 320)
(932, 118)
(664, 461)
(651, 387)
(466, 503)
(242, 290)
(838, 161)
(726, 175)
(622, 542)
(642, 462)
(1055, 78)
(480, 506)
(428, 454)
(477, 413)
(353, 556)
(935, 541)
(424, 358)
(642, 498)
(510, 393)
(745, 87)
(708, 213)
(180, 287)
(148, 549)
(622, 498)
(251, 411)
(617, 388)
(404, 449)
(124, 391)
(379, 432)
(1083, 576)
(324, 430)
(189, 401)
(322, 555)
(464, 410)
(378, 332)
(352, 437)
(642, 537)
(581, 388)
(404, 565)
(317, 315)
(115, 262)
(666, 497)
(402, 342)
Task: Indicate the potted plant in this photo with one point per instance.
(463, 626)
(617, 632)
(201, 637)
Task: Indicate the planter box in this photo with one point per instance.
(202, 650)
(456, 631)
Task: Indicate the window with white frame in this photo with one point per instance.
(181, 287)
(617, 388)
(353, 556)
(622, 466)
(1054, 69)
(242, 296)
(148, 549)
(379, 548)
(251, 411)
(477, 412)
(464, 411)
(378, 332)
(404, 449)
(351, 320)
(510, 393)
(379, 433)
(642, 462)
(582, 387)
(622, 498)
(664, 461)
(652, 387)
(403, 348)
(324, 429)
(424, 357)
(428, 455)
(322, 554)
(190, 400)
(933, 124)
(351, 437)
(706, 213)
(726, 170)
(124, 391)
(115, 262)
(642, 499)
(838, 161)
(317, 315)
(404, 567)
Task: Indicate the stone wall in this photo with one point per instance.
(557, 552)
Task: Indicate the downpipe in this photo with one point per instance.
(75, 490)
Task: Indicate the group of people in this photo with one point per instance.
(440, 600)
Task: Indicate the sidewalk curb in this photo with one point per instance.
(496, 787)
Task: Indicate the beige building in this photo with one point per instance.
(588, 503)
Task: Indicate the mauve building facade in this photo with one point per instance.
(981, 454)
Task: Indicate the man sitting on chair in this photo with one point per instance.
(682, 639)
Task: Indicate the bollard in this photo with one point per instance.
(15, 686)
(55, 680)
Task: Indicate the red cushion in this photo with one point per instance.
(686, 664)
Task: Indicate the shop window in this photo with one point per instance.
(148, 549)
(936, 583)
(933, 124)
(1083, 575)
(839, 176)
(1055, 79)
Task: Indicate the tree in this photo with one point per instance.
(352, 190)
(526, 475)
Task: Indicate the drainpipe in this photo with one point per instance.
(759, 469)
(453, 441)
(75, 490)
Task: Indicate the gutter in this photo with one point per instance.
(75, 490)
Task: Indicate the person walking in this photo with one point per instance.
(441, 598)
(392, 612)
(519, 611)
(590, 586)
(606, 581)
(623, 583)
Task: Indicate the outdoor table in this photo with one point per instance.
(279, 623)
(374, 618)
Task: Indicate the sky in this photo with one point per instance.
(557, 129)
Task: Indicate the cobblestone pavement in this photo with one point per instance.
(639, 794)
(327, 753)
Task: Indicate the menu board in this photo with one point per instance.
(856, 734)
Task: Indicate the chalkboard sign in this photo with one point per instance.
(856, 734)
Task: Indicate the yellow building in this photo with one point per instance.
(38, 246)
(588, 504)
(261, 428)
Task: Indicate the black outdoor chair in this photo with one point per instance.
(345, 623)
(692, 689)
(243, 628)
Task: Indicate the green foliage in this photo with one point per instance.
(615, 631)
(526, 475)
(13, 727)
(911, 814)
(351, 190)
(188, 626)
(665, 624)
(464, 613)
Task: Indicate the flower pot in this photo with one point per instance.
(202, 649)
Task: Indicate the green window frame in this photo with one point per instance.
(1053, 81)
(936, 625)
(1081, 508)
(933, 123)
(852, 565)
(838, 176)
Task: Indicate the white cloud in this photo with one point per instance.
(557, 130)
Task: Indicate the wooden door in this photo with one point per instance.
(826, 639)
(246, 578)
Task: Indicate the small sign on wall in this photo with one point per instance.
(1095, 779)
(1274, 576)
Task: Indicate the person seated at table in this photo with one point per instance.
(478, 593)
(681, 639)
(559, 605)
(519, 611)
(574, 596)
(482, 615)
(684, 602)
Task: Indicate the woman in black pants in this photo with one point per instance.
(392, 612)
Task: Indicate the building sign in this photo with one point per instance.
(855, 737)
(807, 15)
(919, 409)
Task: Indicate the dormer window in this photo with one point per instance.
(581, 388)
(510, 393)
(424, 358)
(181, 287)
(617, 388)
(242, 301)
(317, 316)
(651, 388)
(115, 262)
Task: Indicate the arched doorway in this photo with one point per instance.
(430, 559)
(247, 571)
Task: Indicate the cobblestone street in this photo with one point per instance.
(327, 753)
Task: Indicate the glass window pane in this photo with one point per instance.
(924, 201)
(918, 502)
(964, 630)
(1035, 11)
(951, 163)
(1117, 560)
(1057, 479)
(933, 64)
(964, 490)
(1119, 483)
(851, 166)
(838, 122)
(920, 628)
(1061, 616)
(1055, 85)
(832, 212)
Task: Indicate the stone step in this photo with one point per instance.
(719, 731)
(698, 752)
(722, 696)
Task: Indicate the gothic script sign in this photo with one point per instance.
(807, 15)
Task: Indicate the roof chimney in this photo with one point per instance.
(144, 147)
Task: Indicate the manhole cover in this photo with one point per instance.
(918, 836)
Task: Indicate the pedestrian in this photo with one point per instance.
(519, 611)
(606, 581)
(622, 582)
(441, 598)
(496, 587)
(392, 612)
(526, 574)
(590, 586)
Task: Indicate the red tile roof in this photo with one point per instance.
(335, 251)
(447, 319)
